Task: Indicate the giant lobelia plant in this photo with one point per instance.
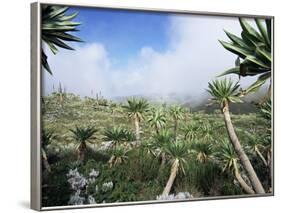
(253, 47)
(56, 29)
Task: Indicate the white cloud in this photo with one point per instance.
(193, 57)
(80, 71)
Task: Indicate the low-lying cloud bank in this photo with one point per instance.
(192, 58)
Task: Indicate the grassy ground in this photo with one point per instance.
(139, 177)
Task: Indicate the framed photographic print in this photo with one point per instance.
(139, 105)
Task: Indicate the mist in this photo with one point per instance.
(193, 57)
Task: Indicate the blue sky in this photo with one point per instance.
(142, 53)
(122, 33)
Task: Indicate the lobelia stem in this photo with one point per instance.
(240, 151)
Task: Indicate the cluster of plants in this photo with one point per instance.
(152, 153)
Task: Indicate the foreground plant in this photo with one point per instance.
(115, 135)
(157, 119)
(190, 131)
(255, 146)
(150, 147)
(228, 157)
(265, 110)
(56, 28)
(203, 151)
(136, 108)
(225, 92)
(118, 156)
(47, 136)
(254, 48)
(83, 135)
(177, 151)
(118, 135)
(206, 131)
(162, 139)
(177, 112)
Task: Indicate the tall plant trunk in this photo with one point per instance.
(45, 160)
(173, 174)
(137, 128)
(240, 151)
(241, 181)
(82, 151)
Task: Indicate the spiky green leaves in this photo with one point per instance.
(226, 155)
(177, 112)
(150, 147)
(56, 26)
(46, 137)
(119, 155)
(157, 119)
(254, 47)
(266, 110)
(118, 134)
(224, 90)
(178, 151)
(254, 142)
(203, 151)
(136, 107)
(82, 134)
(163, 137)
(190, 131)
(114, 134)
